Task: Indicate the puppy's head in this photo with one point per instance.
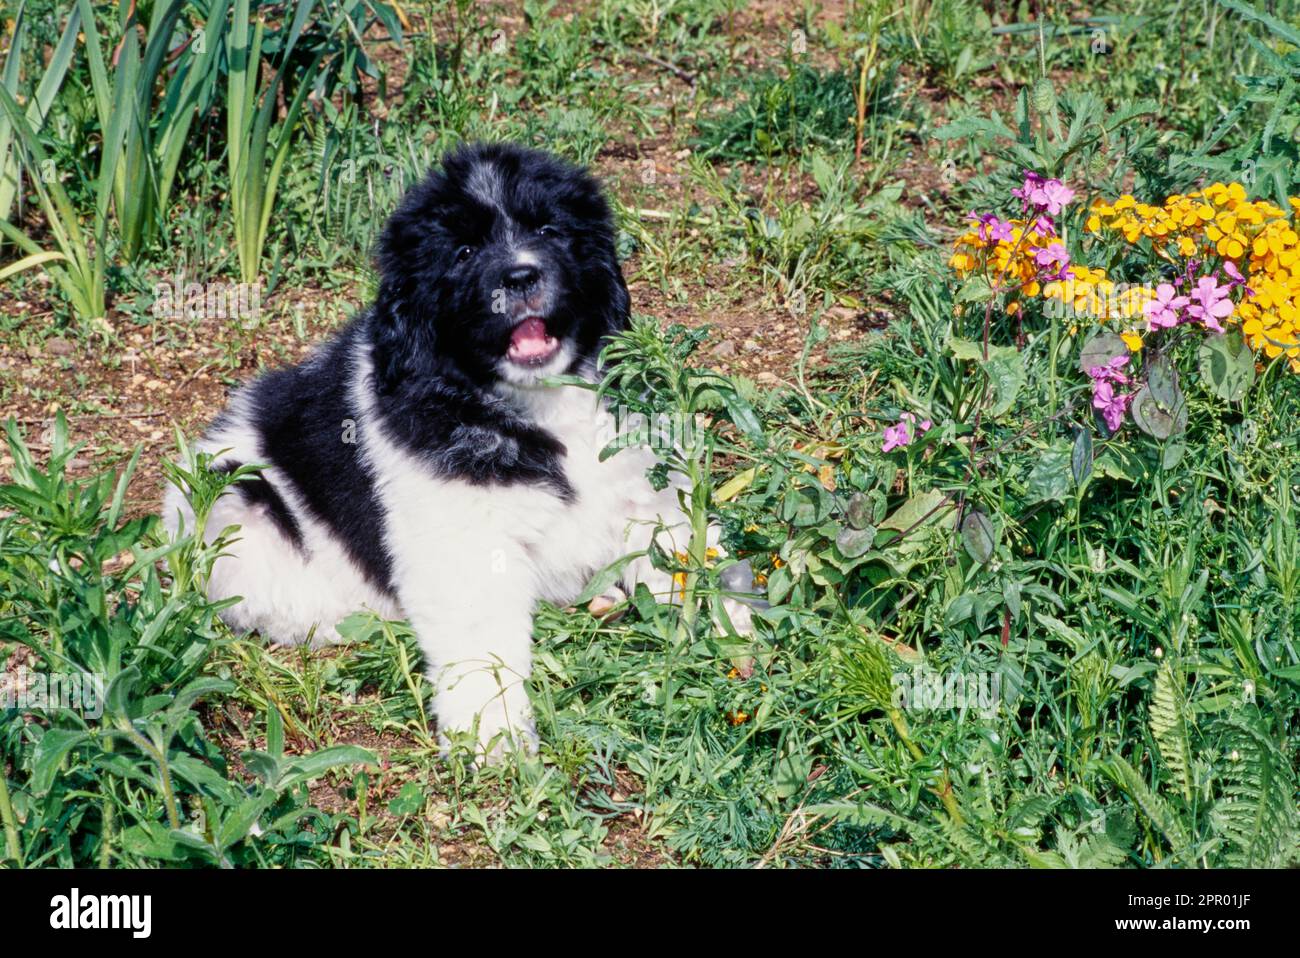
(499, 267)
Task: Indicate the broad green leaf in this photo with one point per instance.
(1156, 419)
(855, 542)
(409, 801)
(1052, 478)
(1100, 350)
(859, 512)
(1227, 365)
(50, 752)
(1081, 457)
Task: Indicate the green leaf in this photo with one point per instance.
(806, 505)
(117, 700)
(1156, 419)
(854, 542)
(921, 510)
(1162, 382)
(1100, 350)
(274, 734)
(1081, 457)
(240, 822)
(187, 696)
(409, 801)
(1006, 371)
(326, 759)
(1051, 479)
(742, 414)
(605, 578)
(979, 536)
(152, 840)
(1120, 463)
(859, 511)
(791, 774)
(1043, 97)
(905, 532)
(1005, 368)
(53, 747)
(1228, 365)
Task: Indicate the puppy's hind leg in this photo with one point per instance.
(736, 581)
(291, 591)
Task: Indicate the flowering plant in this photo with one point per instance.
(1225, 262)
(899, 435)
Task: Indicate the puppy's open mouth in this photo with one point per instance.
(531, 344)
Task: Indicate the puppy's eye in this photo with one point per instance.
(548, 231)
(464, 253)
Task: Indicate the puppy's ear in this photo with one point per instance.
(403, 338)
(396, 354)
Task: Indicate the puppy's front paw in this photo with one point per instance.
(500, 733)
(497, 713)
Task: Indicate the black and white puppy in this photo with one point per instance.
(417, 465)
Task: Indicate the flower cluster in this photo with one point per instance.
(1223, 259)
(1110, 404)
(899, 435)
(1231, 260)
(1023, 252)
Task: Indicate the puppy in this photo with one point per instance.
(418, 465)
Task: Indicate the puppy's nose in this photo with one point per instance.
(522, 277)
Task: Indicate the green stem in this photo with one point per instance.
(106, 835)
(169, 793)
(13, 847)
(698, 548)
(944, 790)
(158, 752)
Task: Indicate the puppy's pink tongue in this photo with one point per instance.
(530, 342)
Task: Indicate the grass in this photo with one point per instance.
(1019, 640)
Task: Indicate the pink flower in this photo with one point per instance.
(897, 436)
(1051, 196)
(1033, 186)
(992, 228)
(1056, 196)
(1110, 372)
(1210, 303)
(1235, 278)
(1111, 405)
(1104, 398)
(1164, 311)
(1053, 254)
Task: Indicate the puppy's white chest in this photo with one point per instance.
(435, 526)
(591, 531)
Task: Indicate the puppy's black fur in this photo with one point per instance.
(451, 293)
